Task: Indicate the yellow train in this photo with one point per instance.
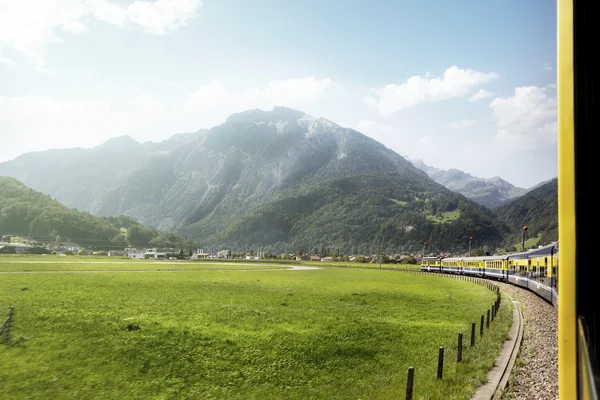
(536, 270)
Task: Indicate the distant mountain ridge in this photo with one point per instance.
(78, 177)
(490, 192)
(277, 180)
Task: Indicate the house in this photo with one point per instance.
(327, 259)
(117, 253)
(154, 254)
(70, 246)
(223, 254)
(200, 255)
(134, 253)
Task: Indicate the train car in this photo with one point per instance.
(518, 266)
(452, 265)
(431, 264)
(541, 271)
(495, 267)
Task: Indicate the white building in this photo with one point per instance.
(135, 253)
(19, 247)
(155, 253)
(223, 254)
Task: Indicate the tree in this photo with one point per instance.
(82, 252)
(68, 252)
(119, 240)
(479, 252)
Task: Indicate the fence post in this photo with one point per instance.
(487, 321)
(8, 323)
(459, 353)
(409, 383)
(481, 326)
(440, 370)
(472, 334)
(493, 311)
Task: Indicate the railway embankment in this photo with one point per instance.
(535, 374)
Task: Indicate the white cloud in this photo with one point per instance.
(148, 103)
(76, 27)
(426, 141)
(34, 123)
(365, 126)
(482, 94)
(29, 26)
(462, 124)
(547, 67)
(162, 16)
(215, 102)
(527, 120)
(378, 131)
(7, 61)
(416, 90)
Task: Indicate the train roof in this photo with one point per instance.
(482, 258)
(431, 258)
(453, 259)
(547, 250)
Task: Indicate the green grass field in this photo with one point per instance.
(256, 333)
(444, 217)
(529, 242)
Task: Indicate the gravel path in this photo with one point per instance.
(535, 375)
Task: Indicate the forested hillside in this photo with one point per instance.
(30, 214)
(538, 210)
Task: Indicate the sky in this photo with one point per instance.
(463, 84)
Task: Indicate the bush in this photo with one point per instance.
(8, 250)
(38, 250)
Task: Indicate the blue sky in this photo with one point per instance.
(75, 73)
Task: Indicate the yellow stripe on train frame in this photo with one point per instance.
(567, 313)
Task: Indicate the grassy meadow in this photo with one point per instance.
(226, 331)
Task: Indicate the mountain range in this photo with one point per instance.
(490, 192)
(277, 180)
